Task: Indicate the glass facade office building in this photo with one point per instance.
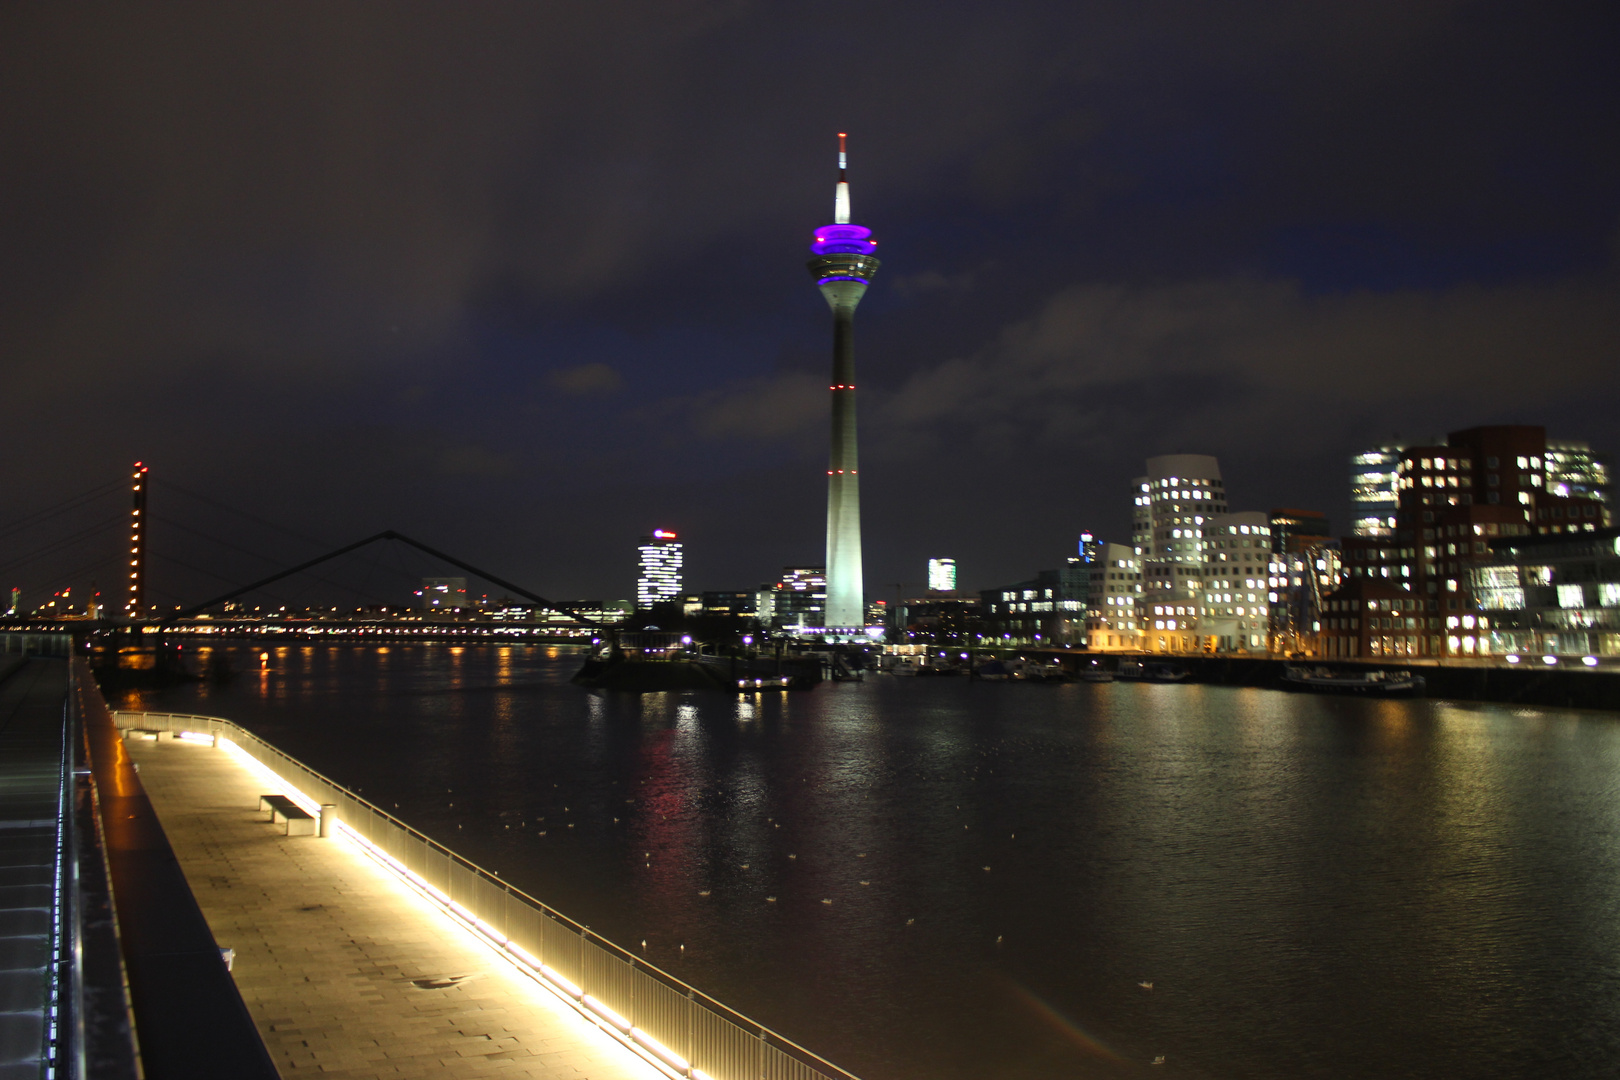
(659, 579)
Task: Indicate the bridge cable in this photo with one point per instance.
(61, 543)
(388, 534)
(163, 482)
(228, 544)
(62, 507)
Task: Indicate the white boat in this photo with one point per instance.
(1031, 671)
(1095, 672)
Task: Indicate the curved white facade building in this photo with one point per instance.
(1234, 603)
(1175, 501)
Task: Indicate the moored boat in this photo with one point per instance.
(1044, 673)
(993, 671)
(1168, 673)
(1095, 672)
(1374, 683)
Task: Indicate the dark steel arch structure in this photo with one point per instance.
(388, 534)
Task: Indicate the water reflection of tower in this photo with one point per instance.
(843, 267)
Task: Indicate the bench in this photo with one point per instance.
(299, 822)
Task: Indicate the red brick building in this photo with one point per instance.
(1484, 483)
(1369, 617)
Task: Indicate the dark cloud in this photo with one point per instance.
(592, 378)
(529, 277)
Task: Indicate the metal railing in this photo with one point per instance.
(674, 1025)
(36, 642)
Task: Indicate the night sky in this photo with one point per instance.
(527, 281)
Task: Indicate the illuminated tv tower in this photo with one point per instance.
(843, 267)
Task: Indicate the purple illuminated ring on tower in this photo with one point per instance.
(843, 240)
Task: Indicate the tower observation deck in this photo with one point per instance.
(843, 266)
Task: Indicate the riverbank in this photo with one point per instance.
(1527, 685)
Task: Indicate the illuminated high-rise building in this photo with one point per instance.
(659, 580)
(799, 603)
(1454, 499)
(1089, 547)
(1235, 596)
(1574, 471)
(135, 597)
(843, 266)
(1172, 506)
(1113, 620)
(942, 575)
(1374, 489)
(1304, 569)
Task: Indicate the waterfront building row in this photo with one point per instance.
(1494, 541)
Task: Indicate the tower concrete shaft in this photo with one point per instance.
(843, 267)
(846, 606)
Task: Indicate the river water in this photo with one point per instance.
(1313, 886)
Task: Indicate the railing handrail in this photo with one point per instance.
(585, 931)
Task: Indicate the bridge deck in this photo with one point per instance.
(346, 971)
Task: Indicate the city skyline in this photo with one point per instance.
(1179, 511)
(392, 287)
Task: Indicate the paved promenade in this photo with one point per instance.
(347, 972)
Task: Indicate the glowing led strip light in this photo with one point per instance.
(643, 1044)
